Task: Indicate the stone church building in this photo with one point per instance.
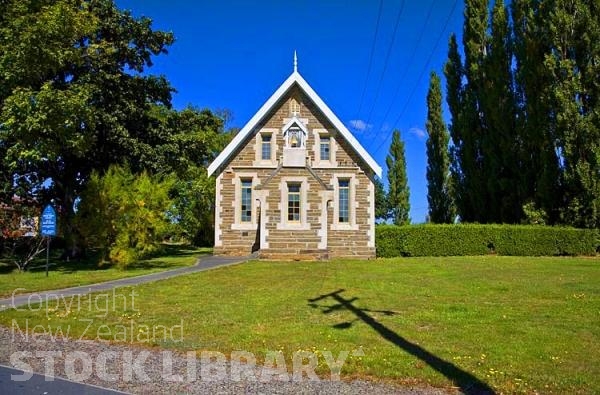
(294, 183)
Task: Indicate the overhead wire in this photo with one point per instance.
(383, 141)
(362, 98)
(407, 66)
(386, 61)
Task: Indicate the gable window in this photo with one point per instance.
(246, 200)
(294, 202)
(324, 147)
(344, 201)
(265, 146)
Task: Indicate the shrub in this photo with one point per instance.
(125, 215)
(461, 240)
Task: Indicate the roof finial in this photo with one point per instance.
(295, 62)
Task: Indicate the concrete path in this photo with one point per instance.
(204, 263)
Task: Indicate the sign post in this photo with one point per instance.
(48, 229)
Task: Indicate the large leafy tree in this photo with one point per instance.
(74, 96)
(441, 207)
(194, 138)
(398, 194)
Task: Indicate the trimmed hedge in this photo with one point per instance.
(460, 240)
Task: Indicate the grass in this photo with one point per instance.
(74, 273)
(518, 325)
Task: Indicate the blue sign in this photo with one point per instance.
(48, 221)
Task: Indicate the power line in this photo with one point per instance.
(407, 65)
(386, 62)
(362, 98)
(420, 75)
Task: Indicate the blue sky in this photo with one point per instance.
(234, 54)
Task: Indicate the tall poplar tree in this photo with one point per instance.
(441, 208)
(574, 64)
(460, 167)
(398, 195)
(524, 104)
(475, 40)
(500, 145)
(540, 173)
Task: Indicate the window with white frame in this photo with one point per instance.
(294, 202)
(324, 148)
(265, 146)
(344, 205)
(246, 200)
(344, 201)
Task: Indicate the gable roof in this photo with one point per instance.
(294, 78)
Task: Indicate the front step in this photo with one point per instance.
(291, 254)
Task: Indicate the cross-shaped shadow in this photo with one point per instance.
(468, 383)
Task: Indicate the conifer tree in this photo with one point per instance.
(540, 172)
(459, 169)
(500, 144)
(381, 201)
(475, 40)
(525, 126)
(398, 195)
(441, 208)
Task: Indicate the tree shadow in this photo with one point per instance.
(468, 383)
(92, 260)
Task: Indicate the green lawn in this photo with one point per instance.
(515, 324)
(74, 273)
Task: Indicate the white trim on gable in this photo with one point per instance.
(294, 78)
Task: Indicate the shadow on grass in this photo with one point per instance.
(168, 251)
(468, 383)
(57, 264)
(91, 261)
